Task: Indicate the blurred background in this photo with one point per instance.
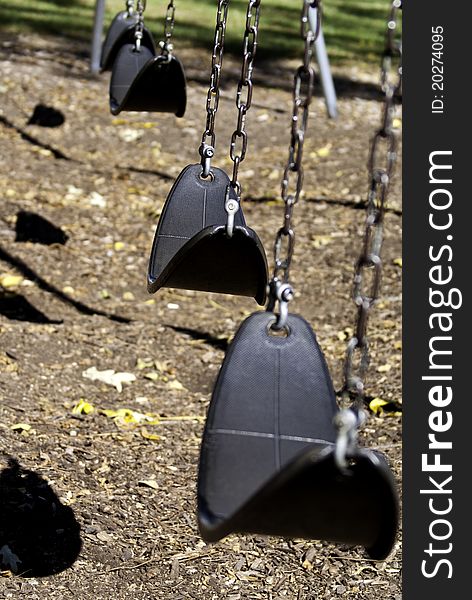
(354, 29)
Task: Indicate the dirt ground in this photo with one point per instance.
(121, 494)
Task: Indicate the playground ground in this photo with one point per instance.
(126, 490)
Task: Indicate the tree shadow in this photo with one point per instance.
(39, 536)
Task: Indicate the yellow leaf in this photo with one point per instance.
(152, 375)
(376, 405)
(119, 122)
(22, 428)
(384, 368)
(398, 262)
(149, 436)
(7, 280)
(307, 565)
(83, 408)
(126, 416)
(144, 363)
(118, 246)
(175, 385)
(322, 152)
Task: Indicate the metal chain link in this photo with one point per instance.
(129, 7)
(139, 29)
(238, 144)
(244, 91)
(207, 150)
(166, 45)
(368, 267)
(280, 289)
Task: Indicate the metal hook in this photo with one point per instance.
(206, 152)
(231, 207)
(283, 293)
(347, 422)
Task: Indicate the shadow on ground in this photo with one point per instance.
(39, 536)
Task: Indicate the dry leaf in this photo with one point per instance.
(175, 385)
(149, 436)
(83, 408)
(8, 281)
(126, 416)
(21, 427)
(150, 483)
(109, 376)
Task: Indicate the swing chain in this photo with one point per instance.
(238, 145)
(302, 95)
(207, 150)
(129, 7)
(138, 32)
(166, 45)
(368, 267)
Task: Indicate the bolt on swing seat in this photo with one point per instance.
(267, 457)
(191, 249)
(144, 81)
(120, 32)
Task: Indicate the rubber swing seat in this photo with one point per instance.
(120, 32)
(191, 249)
(267, 456)
(141, 81)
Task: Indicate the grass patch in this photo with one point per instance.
(354, 29)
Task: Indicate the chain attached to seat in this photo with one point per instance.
(129, 7)
(238, 145)
(280, 290)
(139, 29)
(166, 44)
(207, 147)
(369, 263)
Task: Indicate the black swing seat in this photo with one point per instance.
(191, 249)
(120, 32)
(142, 81)
(267, 457)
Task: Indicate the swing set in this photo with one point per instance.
(278, 455)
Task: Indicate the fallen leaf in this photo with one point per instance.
(83, 408)
(8, 281)
(175, 385)
(152, 375)
(379, 406)
(398, 262)
(20, 427)
(130, 135)
(96, 199)
(109, 376)
(151, 483)
(126, 416)
(149, 436)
